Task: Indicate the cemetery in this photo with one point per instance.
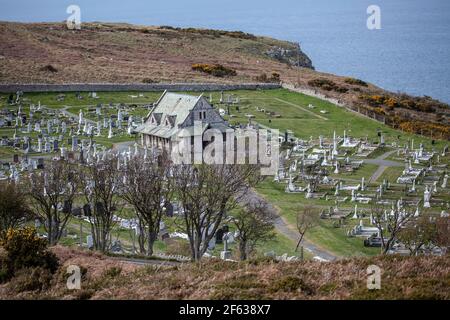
(341, 163)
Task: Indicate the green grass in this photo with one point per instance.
(303, 123)
(391, 174)
(366, 170)
(49, 99)
(305, 126)
(281, 245)
(325, 234)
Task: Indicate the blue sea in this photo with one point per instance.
(410, 53)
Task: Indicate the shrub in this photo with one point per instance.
(216, 70)
(3, 271)
(261, 78)
(31, 279)
(148, 80)
(24, 249)
(402, 101)
(356, 82)
(14, 208)
(84, 294)
(327, 85)
(112, 272)
(275, 77)
(322, 83)
(49, 68)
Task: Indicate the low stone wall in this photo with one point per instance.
(82, 87)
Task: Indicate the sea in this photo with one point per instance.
(409, 52)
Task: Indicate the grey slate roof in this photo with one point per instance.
(176, 107)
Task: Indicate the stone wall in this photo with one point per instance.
(7, 88)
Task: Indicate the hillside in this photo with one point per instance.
(107, 278)
(122, 53)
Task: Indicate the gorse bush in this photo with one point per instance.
(327, 85)
(24, 249)
(275, 77)
(356, 82)
(391, 102)
(216, 70)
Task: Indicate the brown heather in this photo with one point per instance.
(108, 278)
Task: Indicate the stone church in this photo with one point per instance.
(173, 117)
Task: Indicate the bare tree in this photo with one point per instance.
(418, 233)
(100, 184)
(254, 224)
(389, 223)
(207, 193)
(52, 192)
(14, 208)
(313, 174)
(148, 186)
(307, 218)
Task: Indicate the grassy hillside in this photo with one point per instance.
(123, 53)
(101, 52)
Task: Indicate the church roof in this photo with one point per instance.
(172, 106)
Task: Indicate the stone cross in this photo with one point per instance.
(110, 133)
(426, 198)
(444, 182)
(355, 215)
(80, 118)
(99, 128)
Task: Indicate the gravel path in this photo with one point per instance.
(285, 229)
(383, 164)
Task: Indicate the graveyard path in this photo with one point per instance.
(301, 108)
(377, 173)
(383, 164)
(146, 262)
(70, 114)
(284, 228)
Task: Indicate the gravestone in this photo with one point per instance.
(76, 212)
(169, 209)
(116, 246)
(226, 253)
(40, 163)
(67, 206)
(219, 235)
(87, 210)
(90, 242)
